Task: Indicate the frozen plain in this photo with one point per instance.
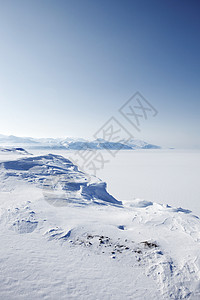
(141, 250)
(163, 176)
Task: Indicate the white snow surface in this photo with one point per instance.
(63, 236)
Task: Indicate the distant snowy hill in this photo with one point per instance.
(4, 150)
(96, 144)
(11, 139)
(138, 144)
(74, 143)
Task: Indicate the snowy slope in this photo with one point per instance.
(64, 237)
(138, 144)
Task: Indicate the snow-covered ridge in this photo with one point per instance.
(75, 143)
(60, 180)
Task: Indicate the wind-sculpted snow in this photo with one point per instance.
(72, 250)
(20, 220)
(60, 179)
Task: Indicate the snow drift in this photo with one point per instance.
(60, 180)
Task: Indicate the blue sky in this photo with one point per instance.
(66, 67)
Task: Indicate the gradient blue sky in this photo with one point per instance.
(67, 66)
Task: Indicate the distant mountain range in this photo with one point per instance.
(74, 143)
